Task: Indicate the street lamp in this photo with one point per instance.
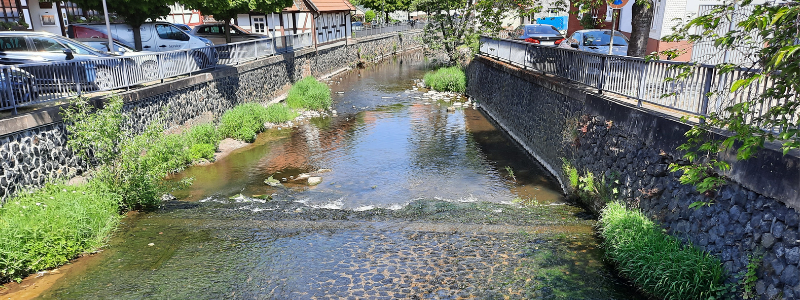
(108, 29)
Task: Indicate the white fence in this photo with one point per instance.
(700, 91)
(29, 84)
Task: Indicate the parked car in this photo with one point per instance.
(597, 41)
(183, 27)
(16, 86)
(156, 36)
(538, 34)
(357, 26)
(216, 33)
(101, 44)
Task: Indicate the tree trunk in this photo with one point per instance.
(641, 22)
(228, 31)
(137, 36)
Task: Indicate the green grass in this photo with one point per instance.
(450, 79)
(309, 93)
(279, 113)
(243, 122)
(50, 226)
(658, 263)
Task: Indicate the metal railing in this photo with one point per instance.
(29, 84)
(699, 91)
(363, 31)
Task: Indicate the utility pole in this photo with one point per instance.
(108, 29)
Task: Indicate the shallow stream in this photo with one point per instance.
(416, 202)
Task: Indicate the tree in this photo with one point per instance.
(455, 25)
(642, 11)
(134, 12)
(386, 6)
(225, 10)
(771, 31)
(369, 16)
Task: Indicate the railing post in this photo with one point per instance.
(603, 62)
(77, 79)
(189, 61)
(642, 81)
(125, 76)
(706, 90)
(10, 89)
(160, 67)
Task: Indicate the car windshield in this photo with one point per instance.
(602, 38)
(541, 30)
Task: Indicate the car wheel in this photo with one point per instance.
(104, 79)
(149, 70)
(201, 60)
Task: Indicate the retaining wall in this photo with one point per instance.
(33, 145)
(555, 119)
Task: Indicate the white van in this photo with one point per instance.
(156, 36)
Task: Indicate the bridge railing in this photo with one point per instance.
(699, 91)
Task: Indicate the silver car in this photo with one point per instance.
(597, 41)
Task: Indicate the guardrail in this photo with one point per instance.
(700, 91)
(359, 32)
(29, 84)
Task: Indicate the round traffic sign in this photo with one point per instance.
(616, 4)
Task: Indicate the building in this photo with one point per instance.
(668, 14)
(327, 20)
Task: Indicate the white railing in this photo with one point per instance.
(700, 91)
(363, 31)
(30, 84)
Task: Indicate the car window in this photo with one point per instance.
(102, 46)
(77, 48)
(541, 30)
(13, 43)
(44, 44)
(576, 38)
(168, 32)
(602, 38)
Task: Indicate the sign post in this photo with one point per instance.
(614, 4)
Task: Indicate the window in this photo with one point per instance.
(13, 43)
(9, 11)
(76, 48)
(44, 44)
(259, 25)
(603, 38)
(543, 29)
(168, 32)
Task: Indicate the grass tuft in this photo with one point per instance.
(450, 79)
(309, 93)
(279, 113)
(658, 263)
(243, 122)
(48, 227)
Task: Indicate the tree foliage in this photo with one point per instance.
(134, 12)
(769, 37)
(225, 10)
(369, 16)
(454, 25)
(386, 6)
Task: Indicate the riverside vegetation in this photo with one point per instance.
(659, 264)
(450, 79)
(45, 228)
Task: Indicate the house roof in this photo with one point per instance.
(330, 5)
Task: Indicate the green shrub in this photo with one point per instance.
(450, 79)
(309, 94)
(202, 151)
(203, 134)
(243, 121)
(166, 154)
(48, 227)
(279, 113)
(658, 263)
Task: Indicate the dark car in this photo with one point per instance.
(216, 33)
(598, 41)
(538, 34)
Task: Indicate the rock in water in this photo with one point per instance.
(314, 180)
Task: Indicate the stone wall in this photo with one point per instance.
(33, 145)
(554, 119)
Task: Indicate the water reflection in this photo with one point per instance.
(389, 144)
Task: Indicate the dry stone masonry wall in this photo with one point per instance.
(555, 120)
(35, 153)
